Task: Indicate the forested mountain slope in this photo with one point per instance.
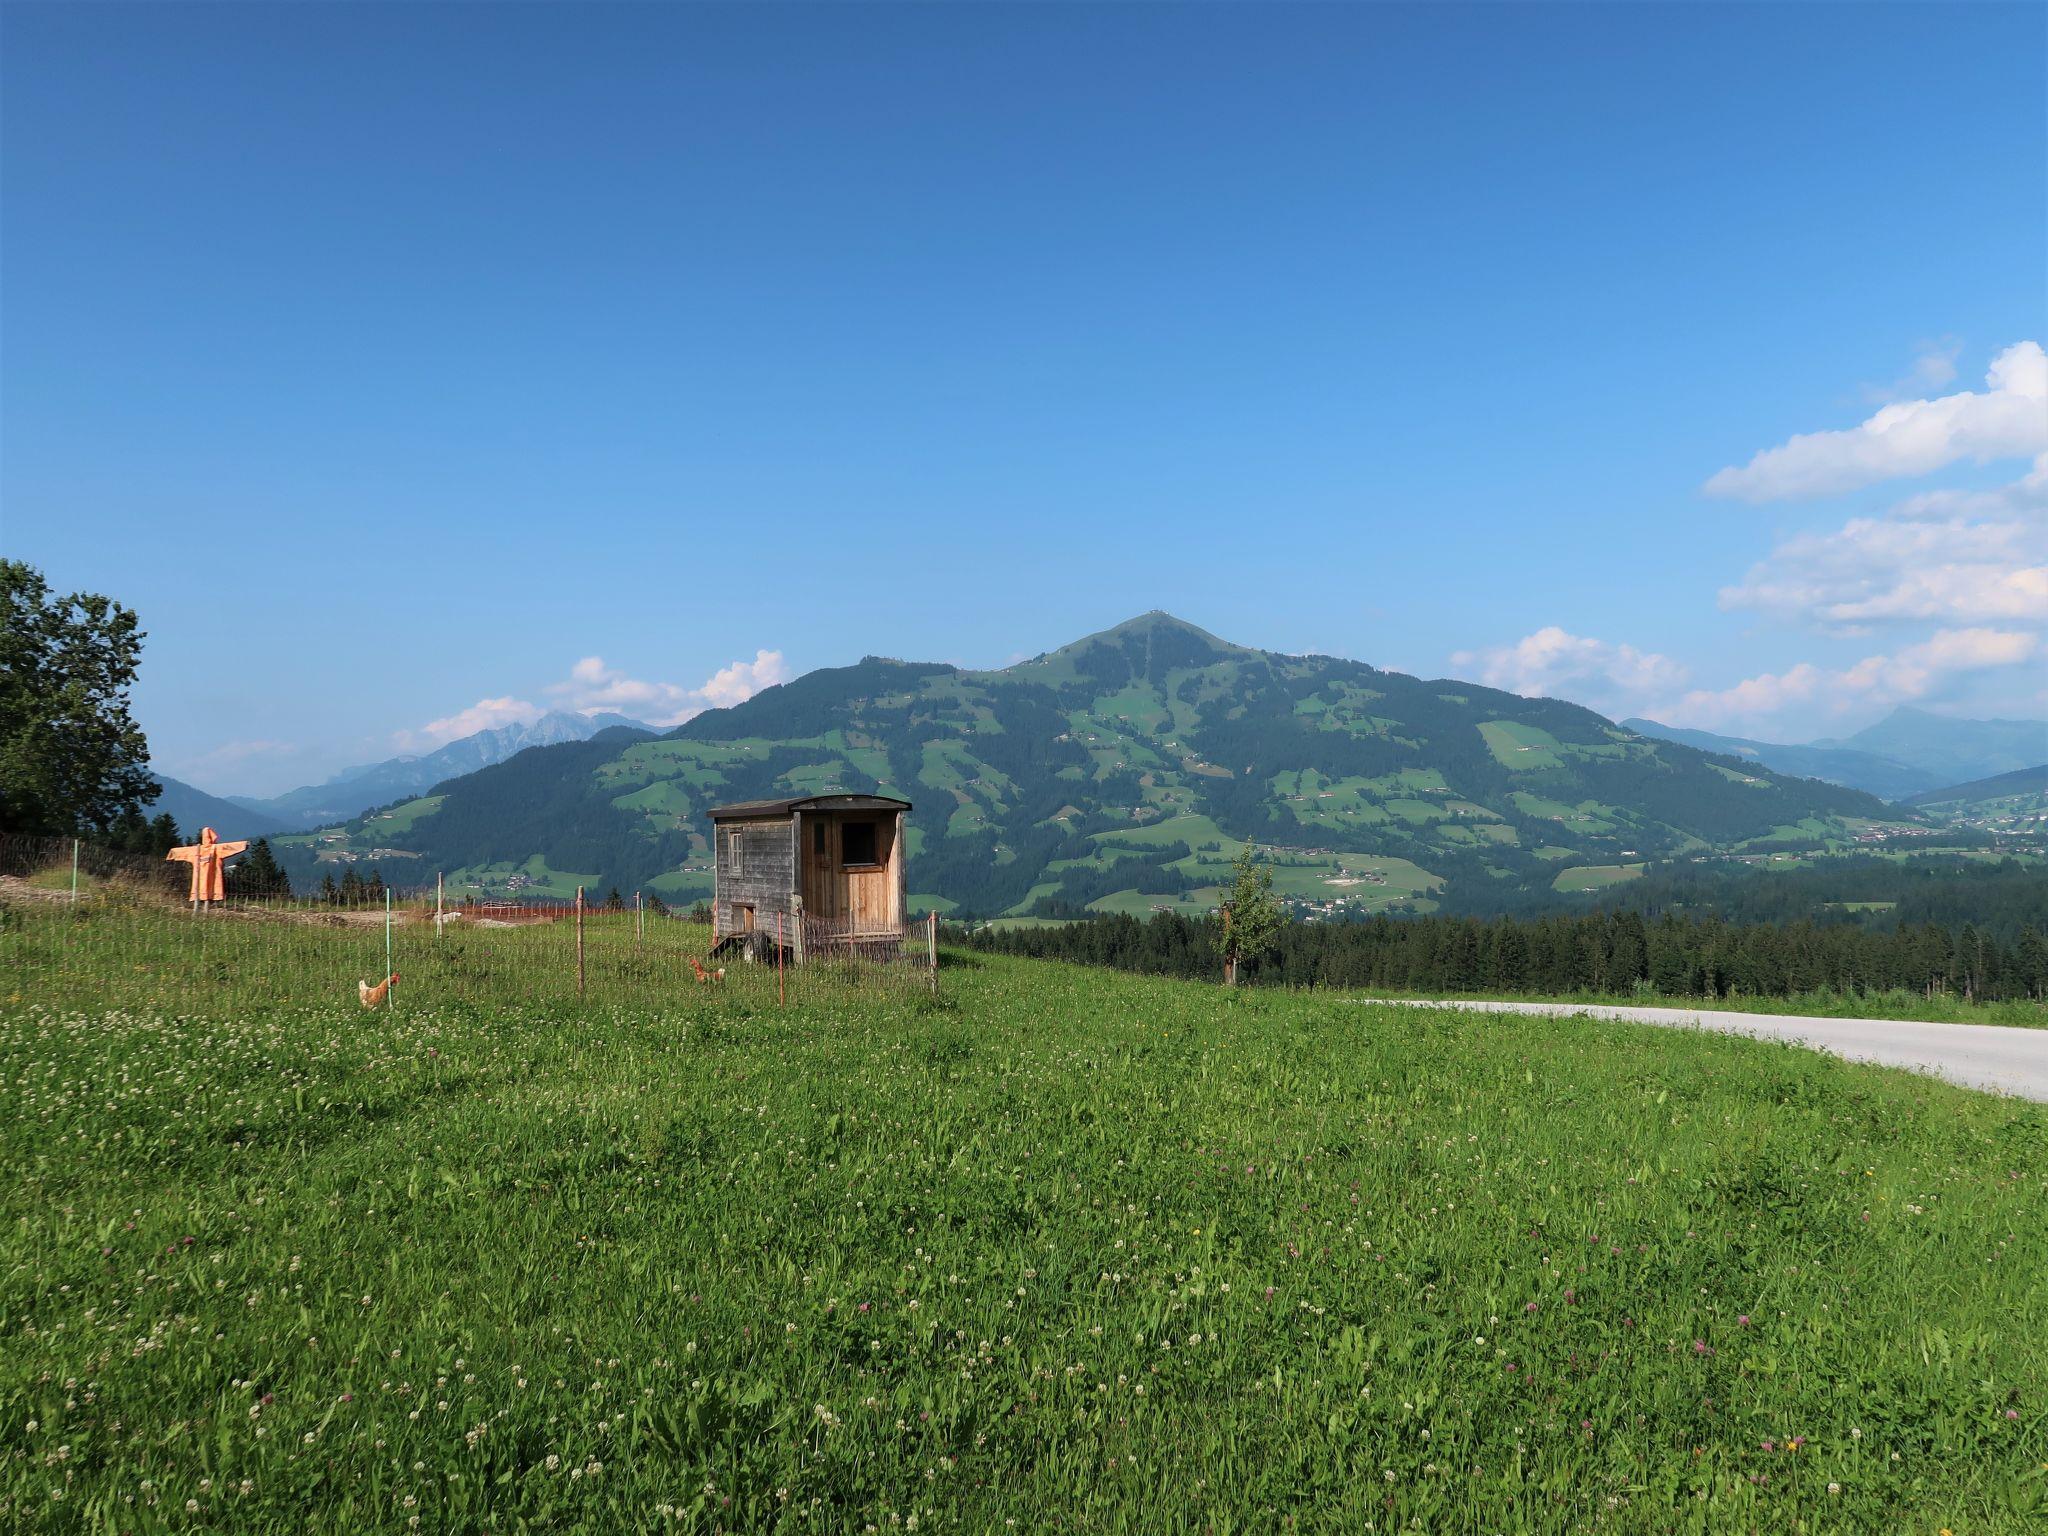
(1120, 773)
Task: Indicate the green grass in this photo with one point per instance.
(1594, 877)
(1068, 1247)
(1518, 746)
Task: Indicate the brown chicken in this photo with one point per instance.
(373, 997)
(704, 976)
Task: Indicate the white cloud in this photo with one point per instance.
(1934, 364)
(483, 715)
(1913, 672)
(1555, 663)
(1948, 556)
(593, 686)
(2008, 419)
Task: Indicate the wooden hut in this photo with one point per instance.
(829, 867)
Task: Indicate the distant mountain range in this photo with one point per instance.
(193, 809)
(1119, 773)
(354, 790)
(1957, 750)
(1904, 755)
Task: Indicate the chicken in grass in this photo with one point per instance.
(373, 997)
(703, 976)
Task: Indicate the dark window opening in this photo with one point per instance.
(818, 837)
(857, 842)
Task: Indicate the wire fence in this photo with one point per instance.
(85, 925)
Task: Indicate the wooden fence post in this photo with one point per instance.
(579, 943)
(781, 998)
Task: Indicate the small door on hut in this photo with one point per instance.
(820, 865)
(868, 851)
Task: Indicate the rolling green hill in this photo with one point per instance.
(1120, 773)
(2023, 789)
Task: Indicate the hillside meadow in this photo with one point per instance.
(1064, 1249)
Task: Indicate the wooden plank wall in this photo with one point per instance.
(762, 874)
(867, 899)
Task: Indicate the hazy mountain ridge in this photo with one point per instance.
(1870, 771)
(354, 790)
(1957, 750)
(1899, 757)
(193, 809)
(1121, 771)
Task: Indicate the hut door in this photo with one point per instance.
(821, 867)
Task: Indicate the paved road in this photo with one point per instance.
(1998, 1057)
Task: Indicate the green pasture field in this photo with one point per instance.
(1520, 746)
(1065, 1248)
(1594, 877)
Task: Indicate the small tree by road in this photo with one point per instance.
(1250, 926)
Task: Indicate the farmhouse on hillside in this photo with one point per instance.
(824, 872)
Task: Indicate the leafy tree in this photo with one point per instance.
(71, 758)
(1250, 917)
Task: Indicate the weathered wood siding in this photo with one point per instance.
(756, 867)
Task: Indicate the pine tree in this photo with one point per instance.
(259, 874)
(163, 835)
(329, 891)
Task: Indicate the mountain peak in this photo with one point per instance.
(1148, 628)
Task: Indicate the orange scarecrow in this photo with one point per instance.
(207, 856)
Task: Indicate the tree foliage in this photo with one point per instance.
(72, 759)
(1596, 952)
(1248, 925)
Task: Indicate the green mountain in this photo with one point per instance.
(2010, 803)
(1120, 773)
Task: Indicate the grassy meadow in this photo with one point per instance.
(1063, 1249)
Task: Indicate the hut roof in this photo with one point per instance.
(758, 808)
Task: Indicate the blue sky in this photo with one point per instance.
(411, 368)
